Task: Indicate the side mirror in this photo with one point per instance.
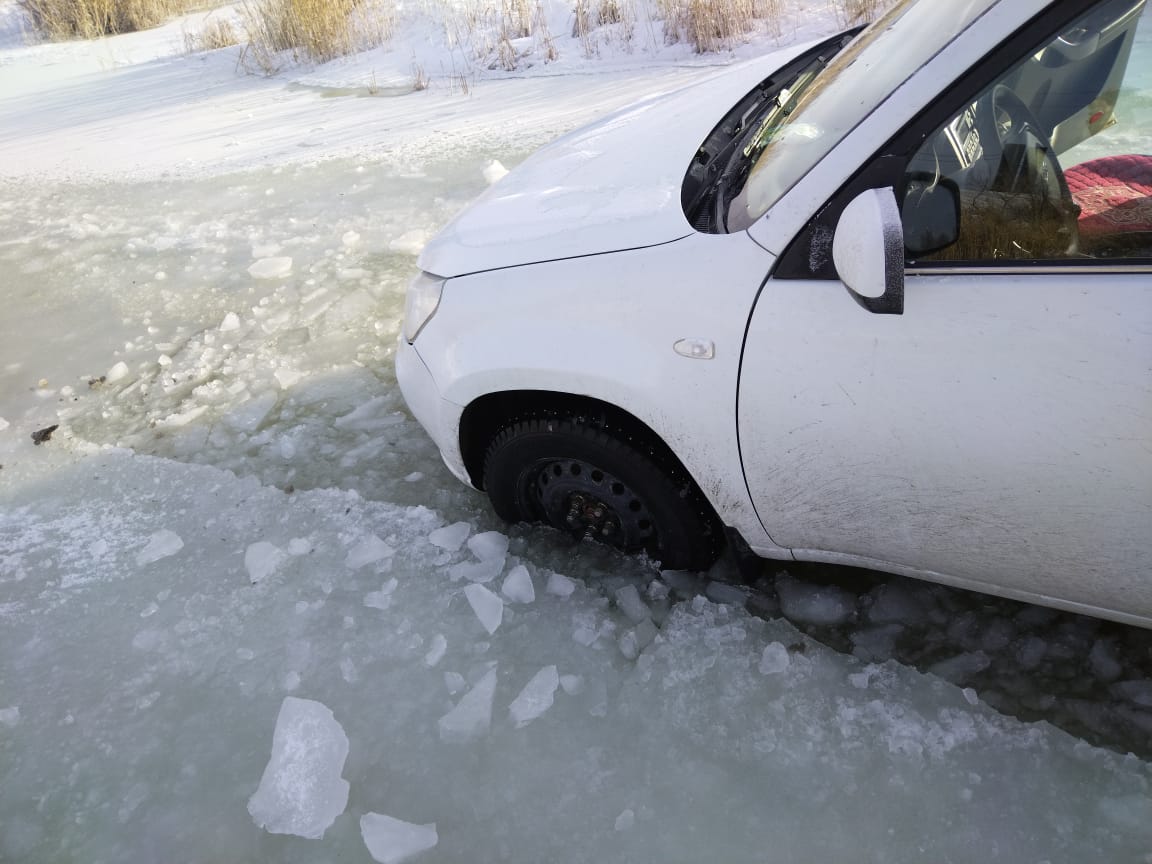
(868, 251)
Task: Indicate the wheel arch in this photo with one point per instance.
(486, 415)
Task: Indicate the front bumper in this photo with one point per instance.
(439, 417)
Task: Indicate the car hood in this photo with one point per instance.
(609, 186)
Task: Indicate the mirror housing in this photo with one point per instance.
(868, 251)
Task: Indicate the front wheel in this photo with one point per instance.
(583, 480)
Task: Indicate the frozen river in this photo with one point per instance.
(272, 525)
(247, 615)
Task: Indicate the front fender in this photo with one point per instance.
(605, 326)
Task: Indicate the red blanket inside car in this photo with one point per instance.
(1114, 194)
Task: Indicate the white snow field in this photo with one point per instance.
(247, 615)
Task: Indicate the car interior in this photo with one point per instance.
(1052, 160)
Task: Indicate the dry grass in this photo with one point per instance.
(851, 12)
(90, 19)
(215, 34)
(714, 25)
(315, 30)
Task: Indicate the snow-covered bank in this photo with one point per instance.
(141, 106)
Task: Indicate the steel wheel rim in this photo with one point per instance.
(589, 503)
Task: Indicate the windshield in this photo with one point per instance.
(815, 114)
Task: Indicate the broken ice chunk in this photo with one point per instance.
(231, 322)
(160, 545)
(368, 551)
(633, 641)
(489, 545)
(476, 571)
(302, 791)
(271, 268)
(559, 585)
(392, 841)
(472, 716)
(625, 820)
(517, 585)
(536, 697)
(628, 599)
(815, 604)
(10, 717)
(381, 599)
(774, 659)
(450, 537)
(494, 171)
(261, 560)
(572, 684)
(488, 607)
(436, 652)
(117, 373)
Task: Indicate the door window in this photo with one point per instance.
(1052, 161)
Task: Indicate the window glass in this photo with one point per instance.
(1053, 161)
(819, 110)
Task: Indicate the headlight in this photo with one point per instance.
(420, 304)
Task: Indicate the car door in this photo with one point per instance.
(998, 432)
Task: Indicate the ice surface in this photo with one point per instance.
(489, 545)
(472, 716)
(161, 544)
(559, 585)
(536, 697)
(10, 716)
(261, 559)
(518, 586)
(391, 841)
(489, 608)
(450, 537)
(302, 791)
(368, 551)
(773, 659)
(271, 268)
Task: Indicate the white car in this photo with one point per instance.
(884, 300)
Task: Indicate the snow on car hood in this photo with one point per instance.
(609, 186)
